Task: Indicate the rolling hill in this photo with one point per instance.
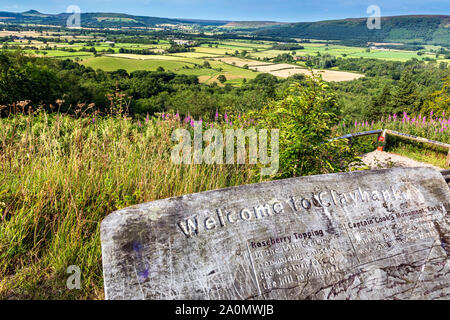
(431, 29)
(99, 20)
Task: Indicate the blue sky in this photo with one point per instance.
(275, 10)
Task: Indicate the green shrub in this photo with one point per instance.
(304, 116)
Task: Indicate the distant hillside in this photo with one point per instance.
(99, 20)
(433, 29)
(252, 24)
(424, 28)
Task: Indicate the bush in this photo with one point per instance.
(222, 78)
(304, 116)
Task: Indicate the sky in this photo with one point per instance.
(238, 10)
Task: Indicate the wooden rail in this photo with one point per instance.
(358, 134)
(385, 132)
(446, 175)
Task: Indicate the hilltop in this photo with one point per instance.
(99, 19)
(432, 29)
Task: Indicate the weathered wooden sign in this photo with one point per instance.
(380, 234)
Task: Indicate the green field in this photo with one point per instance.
(191, 63)
(180, 65)
(350, 52)
(112, 64)
(263, 49)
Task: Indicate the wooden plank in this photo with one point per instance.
(357, 134)
(419, 139)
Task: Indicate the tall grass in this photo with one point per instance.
(60, 176)
(431, 126)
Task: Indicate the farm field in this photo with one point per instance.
(239, 62)
(344, 51)
(235, 59)
(188, 66)
(327, 75)
(285, 70)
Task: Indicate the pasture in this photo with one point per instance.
(180, 65)
(218, 53)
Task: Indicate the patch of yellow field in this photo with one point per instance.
(22, 33)
(142, 57)
(211, 79)
(238, 62)
(198, 55)
(217, 51)
(327, 75)
(203, 79)
(284, 70)
(272, 67)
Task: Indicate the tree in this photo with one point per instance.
(439, 101)
(304, 115)
(222, 78)
(379, 105)
(406, 97)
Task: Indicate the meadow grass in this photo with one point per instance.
(60, 176)
(431, 126)
(340, 50)
(130, 65)
(180, 65)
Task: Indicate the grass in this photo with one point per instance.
(350, 52)
(431, 126)
(417, 151)
(130, 65)
(264, 50)
(60, 176)
(181, 65)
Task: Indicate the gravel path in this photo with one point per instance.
(381, 159)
